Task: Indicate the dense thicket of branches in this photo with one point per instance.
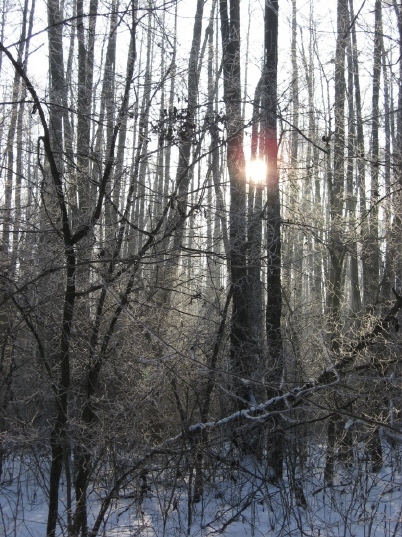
(162, 310)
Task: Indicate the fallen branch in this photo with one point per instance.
(263, 411)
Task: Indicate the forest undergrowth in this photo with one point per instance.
(239, 497)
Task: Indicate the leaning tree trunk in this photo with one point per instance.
(184, 172)
(179, 198)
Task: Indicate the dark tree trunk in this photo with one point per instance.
(269, 129)
(373, 268)
(274, 365)
(58, 440)
(336, 186)
(361, 165)
(336, 201)
(254, 242)
(241, 360)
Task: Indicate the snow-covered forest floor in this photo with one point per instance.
(238, 500)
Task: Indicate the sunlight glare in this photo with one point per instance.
(256, 171)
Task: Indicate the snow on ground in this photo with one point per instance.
(239, 502)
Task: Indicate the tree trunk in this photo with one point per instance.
(360, 153)
(386, 283)
(373, 248)
(336, 185)
(274, 365)
(58, 438)
(254, 244)
(98, 351)
(241, 357)
(11, 164)
(336, 200)
(86, 44)
(350, 187)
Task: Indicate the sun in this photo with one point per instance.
(256, 170)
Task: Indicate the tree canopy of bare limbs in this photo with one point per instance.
(200, 259)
